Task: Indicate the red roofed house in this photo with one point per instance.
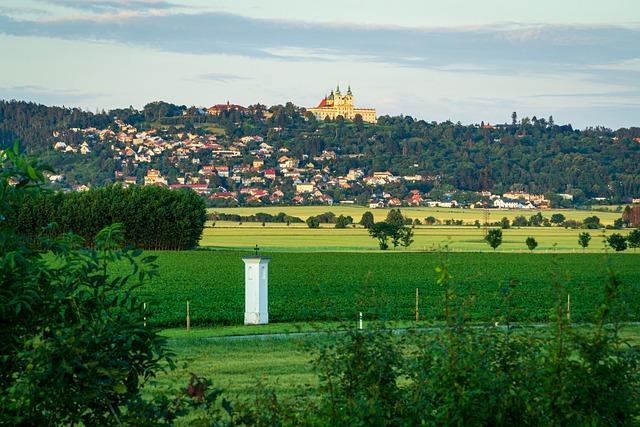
(270, 173)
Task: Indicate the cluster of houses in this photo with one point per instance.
(248, 170)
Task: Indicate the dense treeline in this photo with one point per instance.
(258, 217)
(153, 217)
(531, 154)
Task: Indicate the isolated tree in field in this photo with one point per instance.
(505, 223)
(313, 222)
(382, 231)
(531, 243)
(367, 219)
(584, 239)
(617, 242)
(494, 238)
(557, 218)
(430, 220)
(633, 239)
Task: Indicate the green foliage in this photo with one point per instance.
(367, 219)
(536, 220)
(406, 236)
(494, 237)
(280, 217)
(558, 218)
(395, 218)
(583, 239)
(617, 242)
(468, 375)
(313, 222)
(75, 349)
(531, 243)
(393, 228)
(633, 239)
(504, 223)
(592, 222)
(430, 220)
(343, 221)
(520, 221)
(153, 217)
(382, 231)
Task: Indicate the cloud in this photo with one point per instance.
(495, 47)
(220, 77)
(46, 95)
(111, 5)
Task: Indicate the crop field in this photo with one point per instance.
(467, 215)
(298, 237)
(327, 286)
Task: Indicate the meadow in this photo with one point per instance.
(329, 286)
(467, 215)
(240, 366)
(298, 237)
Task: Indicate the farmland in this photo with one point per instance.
(467, 215)
(326, 286)
(298, 237)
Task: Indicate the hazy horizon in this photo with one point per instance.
(458, 61)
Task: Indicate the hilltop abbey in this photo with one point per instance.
(337, 104)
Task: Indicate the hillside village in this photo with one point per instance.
(238, 156)
(250, 171)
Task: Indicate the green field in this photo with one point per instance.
(282, 363)
(237, 366)
(298, 237)
(327, 286)
(467, 215)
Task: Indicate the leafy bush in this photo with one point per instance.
(75, 348)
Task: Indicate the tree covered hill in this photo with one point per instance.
(530, 154)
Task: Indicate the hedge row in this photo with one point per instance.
(153, 217)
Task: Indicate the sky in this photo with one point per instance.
(458, 60)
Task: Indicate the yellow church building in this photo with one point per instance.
(337, 104)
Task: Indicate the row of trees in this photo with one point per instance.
(257, 217)
(152, 217)
(616, 241)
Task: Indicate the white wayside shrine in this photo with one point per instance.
(256, 290)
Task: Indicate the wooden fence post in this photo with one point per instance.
(188, 318)
(417, 305)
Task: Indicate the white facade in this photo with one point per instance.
(256, 290)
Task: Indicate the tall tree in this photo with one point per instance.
(494, 238)
(367, 219)
(583, 240)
